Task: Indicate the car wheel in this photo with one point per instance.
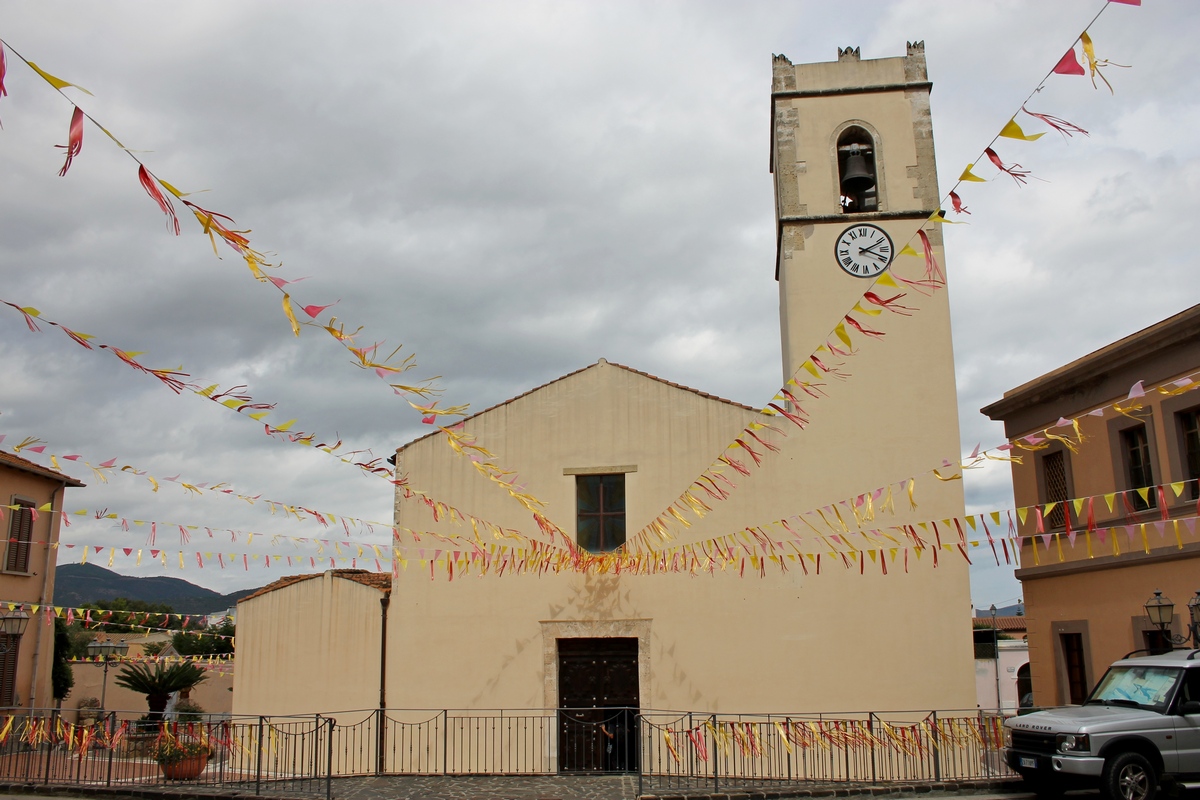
(1129, 776)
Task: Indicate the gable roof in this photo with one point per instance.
(25, 465)
(535, 389)
(376, 580)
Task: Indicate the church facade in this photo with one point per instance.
(608, 448)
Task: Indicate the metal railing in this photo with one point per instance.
(714, 752)
(667, 750)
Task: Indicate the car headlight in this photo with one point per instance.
(1007, 737)
(1073, 743)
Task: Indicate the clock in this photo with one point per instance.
(864, 250)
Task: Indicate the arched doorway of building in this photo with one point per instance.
(1024, 686)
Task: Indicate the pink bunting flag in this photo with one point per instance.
(1069, 64)
(74, 140)
(313, 311)
(3, 72)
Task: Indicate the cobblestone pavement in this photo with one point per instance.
(478, 787)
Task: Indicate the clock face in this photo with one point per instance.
(864, 250)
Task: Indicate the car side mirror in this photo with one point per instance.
(1190, 708)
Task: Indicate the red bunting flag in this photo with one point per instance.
(1069, 64)
(1016, 171)
(959, 208)
(74, 140)
(164, 203)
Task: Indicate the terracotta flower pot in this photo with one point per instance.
(187, 769)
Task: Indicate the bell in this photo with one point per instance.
(856, 177)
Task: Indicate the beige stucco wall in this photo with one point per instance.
(838, 641)
(35, 587)
(215, 695)
(309, 648)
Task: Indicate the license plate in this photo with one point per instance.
(1030, 763)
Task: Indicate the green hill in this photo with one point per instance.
(76, 584)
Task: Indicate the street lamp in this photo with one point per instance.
(106, 650)
(1161, 612)
(996, 655)
(12, 625)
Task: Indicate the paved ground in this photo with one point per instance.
(605, 787)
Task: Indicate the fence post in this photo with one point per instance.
(49, 750)
(715, 753)
(445, 741)
(258, 760)
(871, 733)
(378, 742)
(637, 726)
(329, 761)
(937, 750)
(111, 725)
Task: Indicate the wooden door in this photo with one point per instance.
(598, 702)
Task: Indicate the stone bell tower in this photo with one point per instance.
(853, 160)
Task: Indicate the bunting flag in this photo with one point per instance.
(103, 471)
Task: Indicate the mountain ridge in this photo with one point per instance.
(77, 584)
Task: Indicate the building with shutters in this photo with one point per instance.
(609, 448)
(1118, 511)
(33, 498)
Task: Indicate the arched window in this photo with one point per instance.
(856, 171)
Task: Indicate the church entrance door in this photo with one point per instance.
(598, 701)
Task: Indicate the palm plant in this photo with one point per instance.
(159, 683)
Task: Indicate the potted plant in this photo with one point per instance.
(159, 682)
(181, 758)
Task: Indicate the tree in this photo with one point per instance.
(158, 682)
(215, 640)
(62, 678)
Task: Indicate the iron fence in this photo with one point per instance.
(667, 750)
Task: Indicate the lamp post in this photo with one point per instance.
(996, 655)
(106, 650)
(1161, 612)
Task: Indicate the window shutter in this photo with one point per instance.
(20, 534)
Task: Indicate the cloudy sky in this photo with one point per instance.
(511, 191)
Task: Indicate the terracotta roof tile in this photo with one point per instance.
(584, 369)
(1019, 624)
(376, 580)
(25, 465)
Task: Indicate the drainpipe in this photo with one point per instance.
(47, 571)
(380, 727)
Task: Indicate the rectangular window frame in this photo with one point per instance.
(605, 513)
(1119, 430)
(18, 541)
(9, 661)
(1057, 518)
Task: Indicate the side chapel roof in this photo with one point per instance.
(376, 580)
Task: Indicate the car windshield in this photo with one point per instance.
(1144, 687)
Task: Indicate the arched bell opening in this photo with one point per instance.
(856, 171)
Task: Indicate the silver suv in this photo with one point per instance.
(1139, 727)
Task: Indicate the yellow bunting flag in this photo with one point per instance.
(967, 175)
(1013, 131)
(57, 83)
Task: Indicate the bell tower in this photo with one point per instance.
(853, 160)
